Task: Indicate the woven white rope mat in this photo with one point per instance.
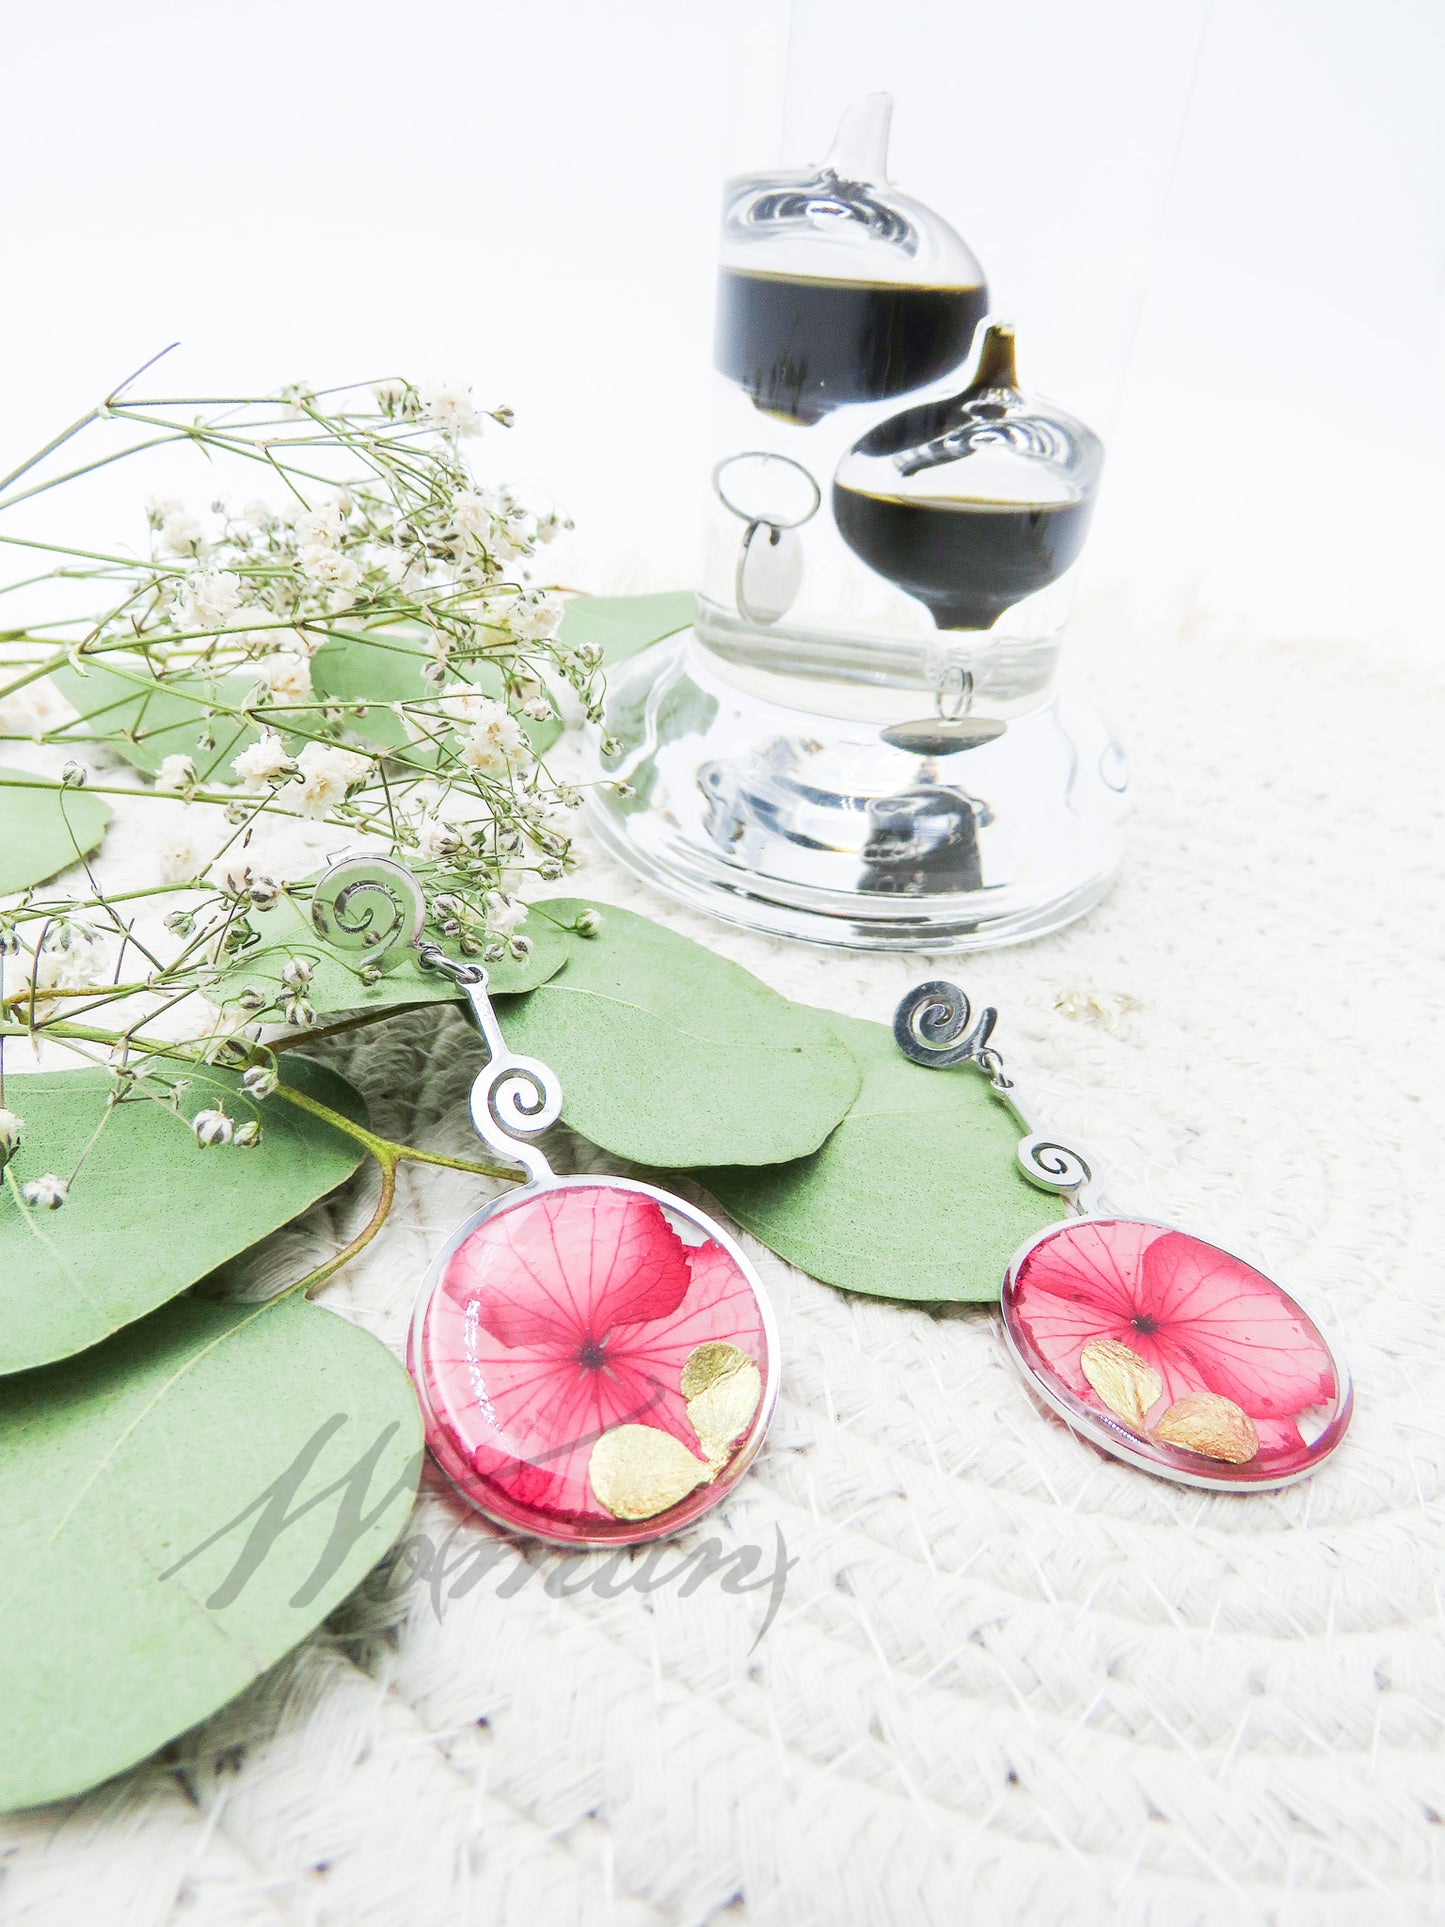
(1009, 1680)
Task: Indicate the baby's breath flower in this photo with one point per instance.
(209, 599)
(295, 397)
(471, 513)
(588, 924)
(329, 568)
(449, 407)
(437, 838)
(321, 527)
(535, 617)
(390, 397)
(496, 743)
(10, 1129)
(264, 892)
(260, 1081)
(233, 873)
(180, 923)
(298, 1012)
(182, 533)
(263, 762)
(247, 1134)
(181, 856)
(74, 776)
(287, 677)
(505, 915)
(176, 773)
(212, 1127)
(47, 1193)
(297, 972)
(324, 775)
(34, 709)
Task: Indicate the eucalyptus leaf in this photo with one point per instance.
(147, 721)
(385, 667)
(151, 1210)
(286, 931)
(915, 1195)
(157, 1552)
(671, 1056)
(43, 831)
(623, 625)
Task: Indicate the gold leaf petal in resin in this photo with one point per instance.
(638, 1471)
(1126, 1384)
(706, 1364)
(1206, 1423)
(724, 1408)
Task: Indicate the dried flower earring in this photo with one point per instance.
(595, 1359)
(1167, 1351)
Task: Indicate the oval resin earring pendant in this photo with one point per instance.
(1164, 1349)
(1174, 1354)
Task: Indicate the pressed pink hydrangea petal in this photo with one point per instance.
(568, 1269)
(720, 1305)
(1239, 1331)
(558, 1319)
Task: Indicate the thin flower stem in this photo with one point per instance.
(388, 1156)
(382, 1148)
(312, 1282)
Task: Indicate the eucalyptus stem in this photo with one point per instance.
(389, 1155)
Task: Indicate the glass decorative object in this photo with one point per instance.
(860, 740)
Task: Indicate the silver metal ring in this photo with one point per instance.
(765, 455)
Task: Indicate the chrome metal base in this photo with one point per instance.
(812, 826)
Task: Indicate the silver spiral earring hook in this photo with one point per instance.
(934, 1026)
(369, 906)
(374, 907)
(513, 1098)
(931, 1026)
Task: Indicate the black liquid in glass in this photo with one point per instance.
(800, 346)
(966, 561)
(901, 498)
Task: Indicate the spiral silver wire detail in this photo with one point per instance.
(370, 906)
(932, 1026)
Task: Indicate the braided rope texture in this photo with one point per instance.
(1009, 1680)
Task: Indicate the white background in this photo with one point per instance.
(1220, 230)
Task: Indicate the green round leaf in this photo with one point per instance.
(43, 830)
(145, 721)
(286, 931)
(151, 1210)
(384, 667)
(915, 1195)
(623, 625)
(670, 1056)
(156, 1548)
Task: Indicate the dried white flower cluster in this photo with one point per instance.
(364, 648)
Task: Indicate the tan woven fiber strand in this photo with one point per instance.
(1009, 1680)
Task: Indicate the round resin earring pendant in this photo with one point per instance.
(595, 1359)
(1163, 1349)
